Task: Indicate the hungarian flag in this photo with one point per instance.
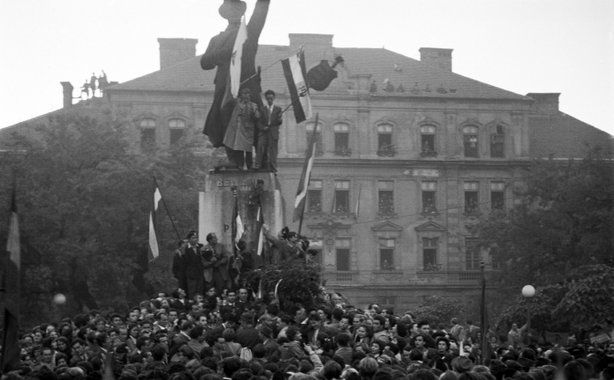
(10, 343)
(260, 222)
(237, 223)
(303, 184)
(357, 208)
(154, 250)
(296, 74)
(235, 59)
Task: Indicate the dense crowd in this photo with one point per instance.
(234, 336)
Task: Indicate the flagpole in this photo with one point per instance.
(166, 208)
(312, 145)
(483, 346)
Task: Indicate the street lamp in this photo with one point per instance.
(528, 291)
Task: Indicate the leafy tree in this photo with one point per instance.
(439, 310)
(559, 238)
(84, 199)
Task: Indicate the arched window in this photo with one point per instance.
(427, 140)
(497, 142)
(385, 147)
(470, 141)
(176, 129)
(148, 133)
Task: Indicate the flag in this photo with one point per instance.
(484, 344)
(260, 222)
(295, 73)
(303, 184)
(357, 208)
(237, 223)
(235, 59)
(10, 342)
(154, 250)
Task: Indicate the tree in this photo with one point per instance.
(438, 310)
(559, 238)
(84, 198)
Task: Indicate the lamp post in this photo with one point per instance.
(528, 291)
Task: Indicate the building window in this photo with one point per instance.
(319, 146)
(385, 147)
(385, 196)
(429, 254)
(429, 190)
(148, 133)
(471, 197)
(472, 254)
(342, 140)
(314, 196)
(497, 195)
(495, 257)
(341, 200)
(497, 142)
(386, 254)
(427, 140)
(342, 253)
(177, 130)
(470, 141)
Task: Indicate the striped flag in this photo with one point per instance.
(296, 74)
(260, 222)
(237, 223)
(235, 59)
(357, 208)
(303, 184)
(154, 250)
(12, 285)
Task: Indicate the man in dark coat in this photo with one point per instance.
(193, 266)
(268, 134)
(219, 54)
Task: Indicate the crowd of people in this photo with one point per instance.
(234, 335)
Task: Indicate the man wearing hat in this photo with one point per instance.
(219, 54)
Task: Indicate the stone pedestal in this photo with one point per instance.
(216, 202)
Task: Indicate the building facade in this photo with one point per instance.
(410, 157)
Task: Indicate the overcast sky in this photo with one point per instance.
(523, 46)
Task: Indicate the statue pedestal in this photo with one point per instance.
(216, 203)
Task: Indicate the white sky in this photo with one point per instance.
(523, 46)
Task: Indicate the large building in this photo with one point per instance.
(410, 156)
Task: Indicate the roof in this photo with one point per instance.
(563, 136)
(415, 77)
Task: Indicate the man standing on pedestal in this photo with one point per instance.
(239, 137)
(268, 134)
(215, 262)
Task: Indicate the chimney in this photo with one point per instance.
(441, 58)
(316, 46)
(175, 50)
(545, 102)
(67, 94)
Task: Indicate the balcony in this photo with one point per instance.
(343, 151)
(428, 153)
(453, 277)
(386, 151)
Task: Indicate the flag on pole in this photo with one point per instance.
(154, 250)
(357, 208)
(237, 223)
(260, 222)
(235, 59)
(303, 184)
(296, 74)
(12, 285)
